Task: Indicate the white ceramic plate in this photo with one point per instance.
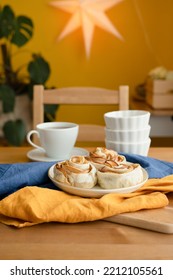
(95, 191)
(39, 155)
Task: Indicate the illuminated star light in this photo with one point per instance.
(87, 14)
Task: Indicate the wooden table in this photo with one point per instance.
(92, 240)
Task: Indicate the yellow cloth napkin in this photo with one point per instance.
(34, 205)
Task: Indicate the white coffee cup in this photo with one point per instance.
(57, 139)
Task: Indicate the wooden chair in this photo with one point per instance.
(80, 95)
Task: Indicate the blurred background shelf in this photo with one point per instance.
(142, 105)
(161, 122)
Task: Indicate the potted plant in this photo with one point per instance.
(18, 30)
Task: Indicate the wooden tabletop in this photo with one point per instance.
(91, 240)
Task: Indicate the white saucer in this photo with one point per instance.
(96, 191)
(39, 155)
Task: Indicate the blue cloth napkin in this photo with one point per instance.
(16, 176)
(155, 168)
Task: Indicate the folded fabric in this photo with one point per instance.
(29, 197)
(154, 167)
(18, 175)
(33, 205)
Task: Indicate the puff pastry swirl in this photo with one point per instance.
(114, 175)
(100, 155)
(77, 172)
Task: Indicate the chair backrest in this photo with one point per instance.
(83, 96)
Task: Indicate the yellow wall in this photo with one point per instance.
(147, 28)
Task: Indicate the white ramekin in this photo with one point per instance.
(127, 119)
(140, 148)
(140, 135)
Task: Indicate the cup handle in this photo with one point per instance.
(30, 141)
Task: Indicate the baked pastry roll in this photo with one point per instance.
(114, 175)
(100, 155)
(77, 172)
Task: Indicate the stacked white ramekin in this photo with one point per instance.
(128, 131)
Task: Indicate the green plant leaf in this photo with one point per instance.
(23, 31)
(18, 30)
(14, 132)
(7, 18)
(7, 96)
(50, 112)
(39, 70)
